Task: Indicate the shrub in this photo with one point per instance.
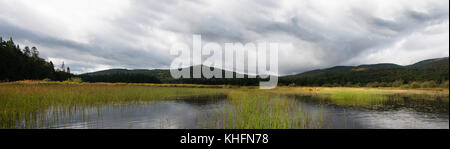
(397, 83)
(349, 84)
(292, 85)
(335, 85)
(414, 85)
(444, 84)
(404, 86)
(373, 84)
(428, 84)
(384, 84)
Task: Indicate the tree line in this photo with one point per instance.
(25, 64)
(18, 63)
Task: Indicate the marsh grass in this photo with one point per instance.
(22, 105)
(365, 97)
(262, 110)
(40, 104)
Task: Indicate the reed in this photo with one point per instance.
(363, 97)
(22, 105)
(28, 104)
(262, 110)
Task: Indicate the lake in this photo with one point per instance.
(197, 113)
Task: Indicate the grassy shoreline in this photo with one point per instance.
(22, 102)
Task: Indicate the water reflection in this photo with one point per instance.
(194, 113)
(394, 113)
(178, 114)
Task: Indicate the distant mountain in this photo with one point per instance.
(160, 74)
(164, 76)
(432, 69)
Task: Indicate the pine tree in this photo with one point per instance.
(52, 66)
(27, 51)
(34, 52)
(63, 67)
(19, 64)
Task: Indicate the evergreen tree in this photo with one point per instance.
(17, 64)
(27, 51)
(34, 52)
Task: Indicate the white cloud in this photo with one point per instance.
(430, 42)
(94, 35)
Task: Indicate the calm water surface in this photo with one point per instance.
(192, 113)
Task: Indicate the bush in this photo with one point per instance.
(384, 84)
(292, 85)
(47, 80)
(373, 84)
(414, 85)
(404, 86)
(397, 83)
(444, 84)
(349, 84)
(335, 85)
(429, 84)
(357, 85)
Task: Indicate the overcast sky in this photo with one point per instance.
(91, 35)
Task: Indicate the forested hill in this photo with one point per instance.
(25, 64)
(163, 76)
(428, 70)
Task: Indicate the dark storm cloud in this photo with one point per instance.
(108, 53)
(138, 34)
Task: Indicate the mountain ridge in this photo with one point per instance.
(435, 69)
(431, 69)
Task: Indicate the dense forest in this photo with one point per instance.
(25, 64)
(434, 71)
(163, 76)
(121, 77)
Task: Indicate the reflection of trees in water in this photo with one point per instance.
(436, 104)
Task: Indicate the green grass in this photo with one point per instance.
(25, 104)
(362, 97)
(21, 104)
(355, 98)
(261, 110)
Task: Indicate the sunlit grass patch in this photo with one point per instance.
(362, 97)
(262, 110)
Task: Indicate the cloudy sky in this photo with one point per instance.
(91, 35)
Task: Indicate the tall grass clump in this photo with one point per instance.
(24, 105)
(364, 97)
(260, 110)
(359, 98)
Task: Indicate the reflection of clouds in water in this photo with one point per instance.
(167, 115)
(189, 114)
(402, 119)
